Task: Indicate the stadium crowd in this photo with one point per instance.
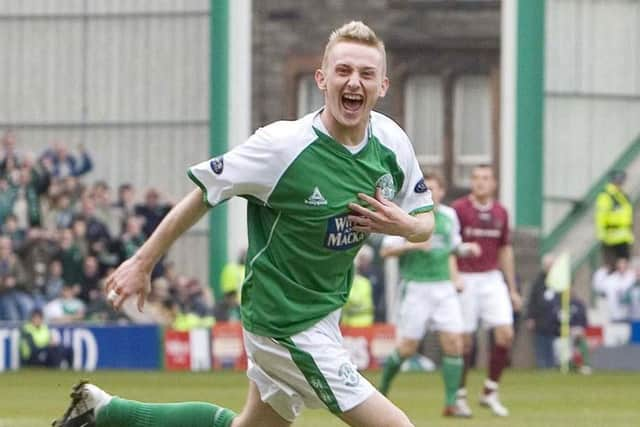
(61, 236)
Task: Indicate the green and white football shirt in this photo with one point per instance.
(433, 265)
(298, 182)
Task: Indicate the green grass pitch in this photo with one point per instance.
(34, 398)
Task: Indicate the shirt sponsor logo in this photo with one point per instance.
(421, 186)
(217, 165)
(386, 185)
(316, 198)
(340, 234)
(482, 232)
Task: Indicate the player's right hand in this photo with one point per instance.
(130, 278)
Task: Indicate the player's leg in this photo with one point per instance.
(92, 406)
(447, 320)
(469, 305)
(256, 412)
(376, 411)
(496, 312)
(415, 310)
(406, 348)
(452, 369)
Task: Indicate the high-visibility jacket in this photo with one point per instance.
(614, 216)
(231, 277)
(40, 337)
(358, 311)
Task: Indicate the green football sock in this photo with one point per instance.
(391, 368)
(129, 413)
(583, 348)
(451, 373)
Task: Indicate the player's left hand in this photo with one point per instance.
(516, 300)
(382, 216)
(129, 279)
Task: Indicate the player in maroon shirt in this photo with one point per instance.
(485, 296)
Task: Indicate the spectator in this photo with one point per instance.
(231, 278)
(39, 249)
(97, 231)
(228, 309)
(232, 274)
(71, 258)
(6, 199)
(578, 323)
(182, 321)
(542, 317)
(60, 213)
(97, 234)
(63, 164)
(66, 308)
(37, 347)
(90, 280)
(195, 298)
(79, 233)
(152, 210)
(375, 273)
(54, 283)
(15, 304)
(631, 298)
(131, 239)
(9, 157)
(105, 211)
(614, 220)
(612, 286)
(24, 195)
(125, 206)
(358, 310)
(11, 230)
(73, 188)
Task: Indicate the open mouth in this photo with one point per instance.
(352, 101)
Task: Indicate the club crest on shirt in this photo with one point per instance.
(386, 185)
(217, 165)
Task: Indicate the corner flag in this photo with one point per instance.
(559, 280)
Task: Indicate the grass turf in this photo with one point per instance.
(32, 398)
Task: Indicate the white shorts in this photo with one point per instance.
(485, 297)
(428, 306)
(310, 369)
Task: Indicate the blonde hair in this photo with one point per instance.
(358, 32)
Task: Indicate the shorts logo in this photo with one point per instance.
(217, 165)
(340, 234)
(386, 185)
(349, 375)
(421, 186)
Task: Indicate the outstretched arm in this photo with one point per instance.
(133, 276)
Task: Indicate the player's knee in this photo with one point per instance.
(407, 348)
(504, 336)
(452, 344)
